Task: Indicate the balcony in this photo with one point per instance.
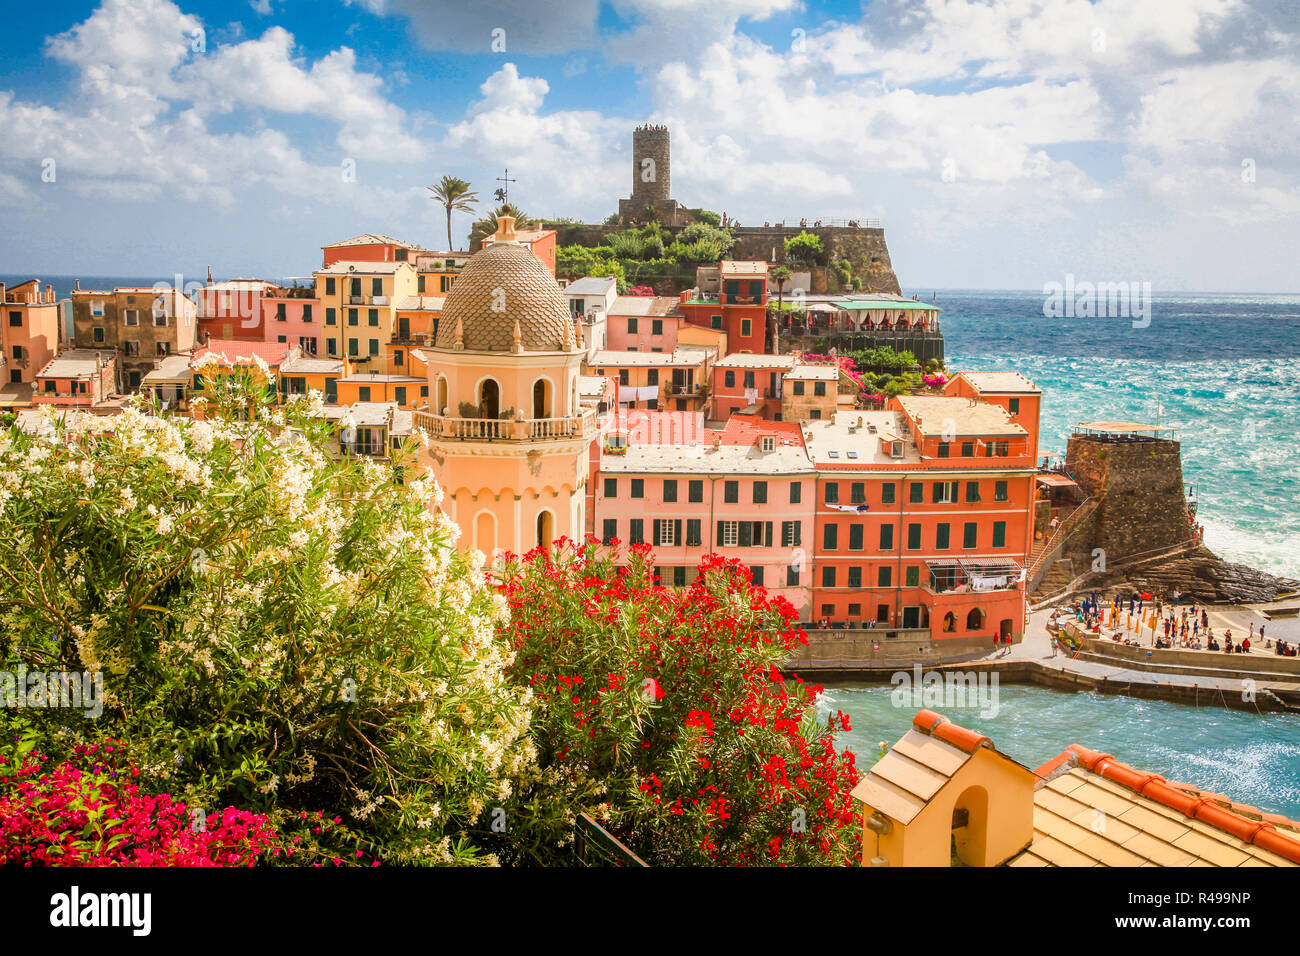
(409, 338)
(492, 429)
(371, 448)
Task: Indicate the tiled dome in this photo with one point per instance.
(528, 294)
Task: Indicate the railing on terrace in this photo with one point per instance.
(493, 429)
(372, 449)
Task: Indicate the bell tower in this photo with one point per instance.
(509, 441)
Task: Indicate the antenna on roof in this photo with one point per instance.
(209, 274)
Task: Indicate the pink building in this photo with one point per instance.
(643, 324)
(292, 318)
(747, 494)
(29, 331)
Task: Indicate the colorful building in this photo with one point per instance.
(29, 334)
(745, 494)
(233, 310)
(749, 383)
(292, 317)
(945, 796)
(915, 532)
(510, 439)
(673, 380)
(140, 324)
(369, 247)
(76, 378)
(731, 297)
(358, 299)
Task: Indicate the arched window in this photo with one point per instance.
(545, 528)
(442, 408)
(949, 622)
(541, 398)
(485, 533)
(975, 619)
(489, 400)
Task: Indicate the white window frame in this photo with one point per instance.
(950, 493)
(665, 533)
(730, 535)
(131, 317)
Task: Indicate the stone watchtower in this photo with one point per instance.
(651, 180)
(650, 169)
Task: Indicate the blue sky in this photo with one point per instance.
(1004, 144)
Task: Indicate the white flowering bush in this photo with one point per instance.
(277, 629)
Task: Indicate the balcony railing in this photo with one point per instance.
(373, 449)
(493, 429)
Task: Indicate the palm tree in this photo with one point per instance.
(455, 195)
(780, 275)
(488, 224)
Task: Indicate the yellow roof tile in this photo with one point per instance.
(1057, 853)
(1208, 848)
(1107, 852)
(1156, 824)
(1158, 851)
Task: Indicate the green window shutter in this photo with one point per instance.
(717, 542)
(999, 534)
(746, 534)
(941, 537)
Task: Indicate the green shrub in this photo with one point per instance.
(277, 628)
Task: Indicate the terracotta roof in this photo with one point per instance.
(370, 239)
(511, 278)
(234, 349)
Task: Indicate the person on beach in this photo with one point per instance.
(1245, 646)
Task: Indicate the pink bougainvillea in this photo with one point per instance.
(87, 812)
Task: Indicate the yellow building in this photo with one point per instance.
(944, 795)
(359, 306)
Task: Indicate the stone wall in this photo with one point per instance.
(1143, 504)
(864, 247)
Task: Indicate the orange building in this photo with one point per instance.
(923, 518)
(30, 336)
(734, 301)
(369, 247)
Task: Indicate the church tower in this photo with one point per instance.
(509, 441)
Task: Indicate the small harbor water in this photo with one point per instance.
(1251, 758)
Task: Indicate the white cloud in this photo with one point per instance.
(138, 126)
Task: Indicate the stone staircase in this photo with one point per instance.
(1059, 575)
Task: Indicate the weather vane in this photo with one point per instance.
(503, 194)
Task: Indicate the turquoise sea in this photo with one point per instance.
(1251, 758)
(1224, 370)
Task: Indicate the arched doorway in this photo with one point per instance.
(442, 408)
(975, 619)
(545, 528)
(541, 398)
(970, 819)
(949, 622)
(489, 399)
